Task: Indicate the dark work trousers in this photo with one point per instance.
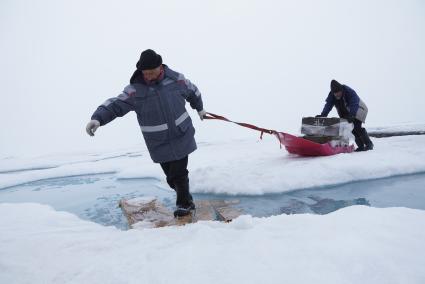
(178, 179)
(358, 133)
(357, 127)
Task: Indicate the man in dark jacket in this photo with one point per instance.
(352, 108)
(158, 95)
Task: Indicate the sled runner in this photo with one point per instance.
(150, 213)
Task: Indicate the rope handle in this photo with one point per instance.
(210, 115)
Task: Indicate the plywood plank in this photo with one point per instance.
(149, 212)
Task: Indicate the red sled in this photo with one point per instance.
(304, 147)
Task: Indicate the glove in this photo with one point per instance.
(92, 126)
(202, 114)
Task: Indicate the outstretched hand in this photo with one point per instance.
(92, 126)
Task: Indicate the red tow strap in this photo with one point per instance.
(247, 125)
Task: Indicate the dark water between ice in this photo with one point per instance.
(96, 197)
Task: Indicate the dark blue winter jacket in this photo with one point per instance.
(160, 108)
(350, 105)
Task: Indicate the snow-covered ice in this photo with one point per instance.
(402, 127)
(236, 167)
(353, 245)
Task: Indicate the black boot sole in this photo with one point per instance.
(181, 212)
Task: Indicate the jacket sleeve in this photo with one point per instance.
(115, 107)
(353, 102)
(330, 102)
(193, 95)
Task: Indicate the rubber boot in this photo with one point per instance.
(359, 141)
(184, 201)
(368, 143)
(360, 145)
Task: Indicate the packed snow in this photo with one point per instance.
(353, 245)
(402, 127)
(234, 167)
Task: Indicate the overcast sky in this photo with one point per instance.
(264, 62)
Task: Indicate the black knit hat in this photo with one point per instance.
(335, 86)
(149, 59)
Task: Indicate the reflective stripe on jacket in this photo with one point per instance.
(160, 108)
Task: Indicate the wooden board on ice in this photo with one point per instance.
(149, 212)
